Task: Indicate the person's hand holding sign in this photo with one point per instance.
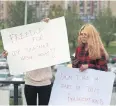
(83, 67)
(4, 53)
(46, 20)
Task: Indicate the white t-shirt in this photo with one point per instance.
(39, 77)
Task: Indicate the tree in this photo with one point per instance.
(16, 14)
(73, 23)
(55, 11)
(1, 24)
(106, 23)
(1, 27)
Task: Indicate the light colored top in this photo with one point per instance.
(39, 77)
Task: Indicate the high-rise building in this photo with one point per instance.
(104, 5)
(74, 6)
(112, 6)
(89, 7)
(4, 10)
(41, 8)
(88, 10)
(109, 4)
(85, 7)
(61, 3)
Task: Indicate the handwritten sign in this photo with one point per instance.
(36, 45)
(91, 87)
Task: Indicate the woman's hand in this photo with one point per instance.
(83, 67)
(46, 20)
(4, 53)
(75, 62)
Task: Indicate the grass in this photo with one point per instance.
(19, 101)
(112, 48)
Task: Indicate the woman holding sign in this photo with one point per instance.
(90, 52)
(37, 82)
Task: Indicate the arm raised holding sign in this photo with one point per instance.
(37, 82)
(90, 53)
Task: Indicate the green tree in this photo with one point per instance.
(73, 23)
(1, 24)
(1, 27)
(55, 11)
(16, 14)
(106, 23)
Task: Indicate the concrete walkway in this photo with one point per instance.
(113, 99)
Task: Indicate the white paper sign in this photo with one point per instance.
(36, 45)
(91, 87)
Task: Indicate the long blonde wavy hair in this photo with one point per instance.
(94, 42)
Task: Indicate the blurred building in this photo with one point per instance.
(88, 10)
(92, 7)
(74, 6)
(59, 3)
(83, 8)
(112, 6)
(41, 8)
(4, 10)
(86, 7)
(104, 5)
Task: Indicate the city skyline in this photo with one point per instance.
(83, 8)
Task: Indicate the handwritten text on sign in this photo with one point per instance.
(72, 87)
(36, 45)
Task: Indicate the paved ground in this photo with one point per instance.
(113, 99)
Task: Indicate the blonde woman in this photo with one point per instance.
(90, 52)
